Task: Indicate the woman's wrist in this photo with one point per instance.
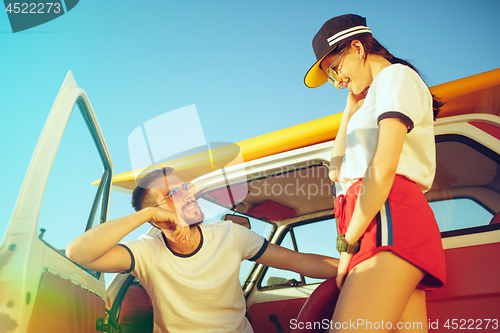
(344, 246)
(350, 110)
(345, 259)
(349, 239)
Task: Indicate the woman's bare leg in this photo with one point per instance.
(375, 295)
(414, 318)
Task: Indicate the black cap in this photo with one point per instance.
(331, 35)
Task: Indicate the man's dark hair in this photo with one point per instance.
(140, 198)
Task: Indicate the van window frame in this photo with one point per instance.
(488, 153)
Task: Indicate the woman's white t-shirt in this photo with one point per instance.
(396, 92)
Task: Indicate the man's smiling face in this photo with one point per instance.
(183, 202)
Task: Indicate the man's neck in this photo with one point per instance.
(187, 246)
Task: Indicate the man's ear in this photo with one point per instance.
(148, 198)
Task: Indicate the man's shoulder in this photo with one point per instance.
(215, 225)
(225, 230)
(219, 226)
(144, 240)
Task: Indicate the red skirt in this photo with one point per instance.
(405, 226)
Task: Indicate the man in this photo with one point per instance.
(190, 270)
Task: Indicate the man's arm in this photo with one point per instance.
(97, 248)
(311, 265)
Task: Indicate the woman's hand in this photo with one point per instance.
(354, 102)
(168, 220)
(345, 260)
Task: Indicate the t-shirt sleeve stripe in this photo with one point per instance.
(395, 114)
(261, 251)
(132, 260)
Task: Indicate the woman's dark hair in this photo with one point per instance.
(372, 46)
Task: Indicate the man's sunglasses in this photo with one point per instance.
(176, 193)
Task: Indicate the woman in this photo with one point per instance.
(384, 159)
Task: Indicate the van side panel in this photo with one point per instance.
(265, 315)
(62, 306)
(472, 290)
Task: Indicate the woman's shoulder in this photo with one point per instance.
(400, 73)
(398, 70)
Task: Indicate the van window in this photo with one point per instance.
(466, 190)
(459, 213)
(76, 165)
(317, 237)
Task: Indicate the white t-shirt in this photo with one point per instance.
(396, 92)
(199, 292)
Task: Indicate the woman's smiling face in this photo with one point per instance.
(350, 67)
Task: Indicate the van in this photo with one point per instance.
(280, 190)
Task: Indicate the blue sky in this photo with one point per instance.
(241, 63)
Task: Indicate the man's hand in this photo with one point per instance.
(168, 220)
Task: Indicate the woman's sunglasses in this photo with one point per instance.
(333, 77)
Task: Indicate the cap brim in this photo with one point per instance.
(315, 76)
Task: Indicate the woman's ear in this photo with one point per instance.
(359, 48)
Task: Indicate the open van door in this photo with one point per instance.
(41, 290)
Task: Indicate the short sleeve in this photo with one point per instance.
(132, 259)
(401, 93)
(248, 243)
(142, 252)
